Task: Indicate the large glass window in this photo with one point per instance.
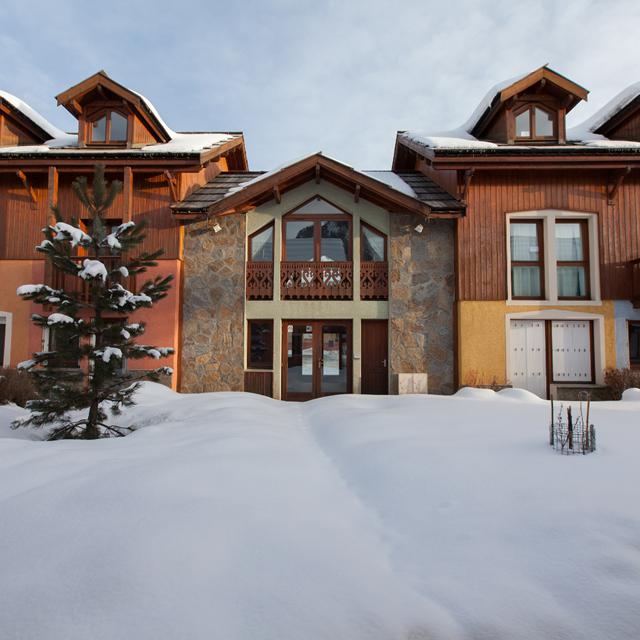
(261, 245)
(527, 261)
(572, 259)
(260, 344)
(373, 244)
(99, 130)
(317, 232)
(118, 127)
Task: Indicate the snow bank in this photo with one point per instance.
(631, 395)
(236, 516)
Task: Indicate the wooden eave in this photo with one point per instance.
(235, 144)
(574, 92)
(307, 170)
(72, 97)
(24, 121)
(619, 118)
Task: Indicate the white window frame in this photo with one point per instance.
(548, 217)
(6, 319)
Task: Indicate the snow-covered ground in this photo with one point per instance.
(233, 516)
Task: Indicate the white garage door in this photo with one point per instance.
(571, 350)
(527, 361)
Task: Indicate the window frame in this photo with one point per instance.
(107, 142)
(531, 108)
(366, 225)
(273, 243)
(251, 364)
(585, 263)
(317, 219)
(540, 263)
(634, 363)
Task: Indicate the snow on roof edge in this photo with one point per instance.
(32, 114)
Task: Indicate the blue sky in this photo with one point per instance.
(305, 76)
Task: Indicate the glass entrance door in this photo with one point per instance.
(316, 358)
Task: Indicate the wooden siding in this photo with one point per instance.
(150, 202)
(260, 382)
(140, 135)
(628, 130)
(21, 221)
(69, 205)
(12, 134)
(481, 243)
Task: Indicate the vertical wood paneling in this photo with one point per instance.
(493, 194)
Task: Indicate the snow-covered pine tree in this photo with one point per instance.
(80, 376)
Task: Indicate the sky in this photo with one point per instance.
(297, 77)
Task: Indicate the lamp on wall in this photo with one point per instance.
(217, 228)
(419, 228)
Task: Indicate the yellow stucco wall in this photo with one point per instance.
(482, 336)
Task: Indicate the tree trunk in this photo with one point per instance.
(91, 432)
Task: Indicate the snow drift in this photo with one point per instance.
(234, 516)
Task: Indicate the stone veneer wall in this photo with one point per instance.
(213, 307)
(421, 300)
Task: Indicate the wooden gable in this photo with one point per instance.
(98, 95)
(623, 125)
(544, 89)
(17, 129)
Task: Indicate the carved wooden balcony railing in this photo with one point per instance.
(634, 266)
(259, 281)
(58, 279)
(374, 281)
(316, 280)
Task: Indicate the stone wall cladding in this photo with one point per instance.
(421, 300)
(213, 307)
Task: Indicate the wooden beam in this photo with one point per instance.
(318, 173)
(28, 188)
(276, 194)
(612, 187)
(171, 181)
(466, 182)
(356, 193)
(52, 192)
(127, 192)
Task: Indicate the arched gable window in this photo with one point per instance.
(317, 231)
(108, 127)
(533, 122)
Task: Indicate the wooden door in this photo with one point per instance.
(571, 351)
(527, 358)
(375, 357)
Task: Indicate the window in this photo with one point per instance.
(261, 244)
(634, 344)
(260, 344)
(54, 337)
(4, 340)
(109, 128)
(572, 259)
(527, 259)
(373, 244)
(535, 123)
(317, 232)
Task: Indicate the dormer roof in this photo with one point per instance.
(29, 118)
(72, 100)
(543, 78)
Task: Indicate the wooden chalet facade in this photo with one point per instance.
(505, 252)
(547, 267)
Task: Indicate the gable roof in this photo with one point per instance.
(39, 125)
(231, 192)
(503, 91)
(70, 99)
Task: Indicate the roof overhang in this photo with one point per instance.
(316, 167)
(23, 120)
(71, 100)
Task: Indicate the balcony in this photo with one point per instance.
(73, 285)
(634, 268)
(316, 280)
(259, 280)
(374, 280)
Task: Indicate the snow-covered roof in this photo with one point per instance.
(32, 115)
(585, 131)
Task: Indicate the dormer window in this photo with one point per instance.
(110, 127)
(535, 123)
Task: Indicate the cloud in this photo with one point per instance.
(302, 76)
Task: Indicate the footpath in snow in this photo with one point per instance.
(235, 516)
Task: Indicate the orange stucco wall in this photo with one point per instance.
(162, 320)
